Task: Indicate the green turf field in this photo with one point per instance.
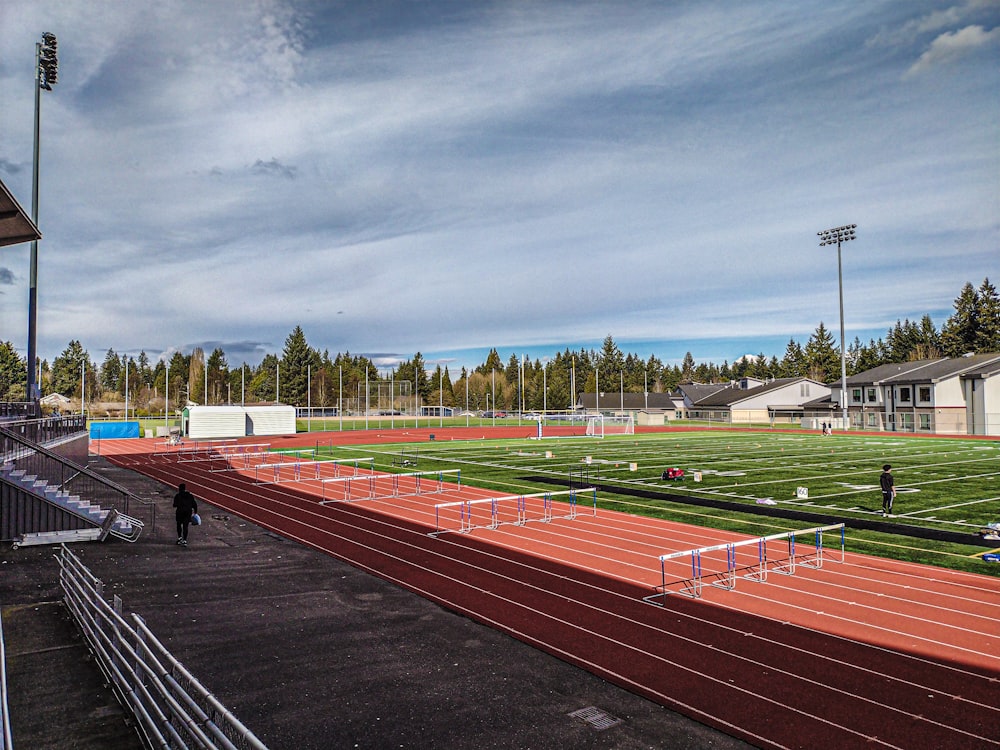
(950, 485)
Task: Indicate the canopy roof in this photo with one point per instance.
(15, 225)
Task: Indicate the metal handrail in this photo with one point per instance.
(6, 736)
(35, 459)
(172, 709)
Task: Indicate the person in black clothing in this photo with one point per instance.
(888, 489)
(186, 506)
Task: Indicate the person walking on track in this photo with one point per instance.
(186, 507)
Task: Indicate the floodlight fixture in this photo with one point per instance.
(837, 236)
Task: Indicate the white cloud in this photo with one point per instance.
(953, 45)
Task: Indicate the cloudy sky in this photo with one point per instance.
(447, 177)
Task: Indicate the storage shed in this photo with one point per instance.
(205, 422)
(278, 419)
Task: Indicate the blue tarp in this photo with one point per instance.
(110, 430)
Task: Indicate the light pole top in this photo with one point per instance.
(48, 61)
(837, 235)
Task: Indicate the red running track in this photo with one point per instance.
(868, 653)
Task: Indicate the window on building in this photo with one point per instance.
(924, 394)
(856, 395)
(872, 419)
(925, 421)
(872, 396)
(904, 394)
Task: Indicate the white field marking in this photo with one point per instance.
(666, 633)
(954, 505)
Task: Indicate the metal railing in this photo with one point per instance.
(18, 410)
(47, 429)
(37, 460)
(171, 708)
(6, 737)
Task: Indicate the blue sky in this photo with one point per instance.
(447, 177)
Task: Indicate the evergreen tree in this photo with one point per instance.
(612, 365)
(928, 340)
(415, 370)
(68, 369)
(196, 376)
(794, 364)
(13, 373)
(145, 370)
(492, 363)
(958, 334)
(822, 357)
(263, 386)
(177, 388)
(988, 331)
(296, 361)
(111, 372)
(218, 376)
(687, 367)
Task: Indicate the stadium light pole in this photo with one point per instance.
(46, 75)
(837, 236)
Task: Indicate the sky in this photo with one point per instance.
(451, 177)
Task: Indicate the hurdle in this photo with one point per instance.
(296, 467)
(522, 516)
(355, 463)
(758, 570)
(371, 485)
(296, 452)
(202, 449)
(242, 453)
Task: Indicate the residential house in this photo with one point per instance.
(944, 396)
(750, 401)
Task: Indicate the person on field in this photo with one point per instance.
(186, 507)
(888, 489)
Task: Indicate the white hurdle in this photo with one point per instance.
(758, 570)
(371, 484)
(497, 506)
(296, 467)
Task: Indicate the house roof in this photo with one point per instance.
(946, 368)
(987, 370)
(15, 226)
(696, 391)
(631, 401)
(882, 373)
(731, 395)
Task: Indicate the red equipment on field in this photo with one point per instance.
(674, 473)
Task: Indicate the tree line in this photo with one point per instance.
(303, 375)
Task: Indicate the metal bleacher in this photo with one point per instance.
(46, 497)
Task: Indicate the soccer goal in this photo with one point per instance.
(600, 425)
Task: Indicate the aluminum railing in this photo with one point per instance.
(6, 738)
(171, 708)
(37, 460)
(47, 429)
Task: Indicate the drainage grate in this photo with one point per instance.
(597, 718)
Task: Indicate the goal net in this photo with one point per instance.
(599, 425)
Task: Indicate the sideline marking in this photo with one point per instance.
(988, 552)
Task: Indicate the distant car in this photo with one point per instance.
(531, 416)
(487, 415)
(501, 414)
